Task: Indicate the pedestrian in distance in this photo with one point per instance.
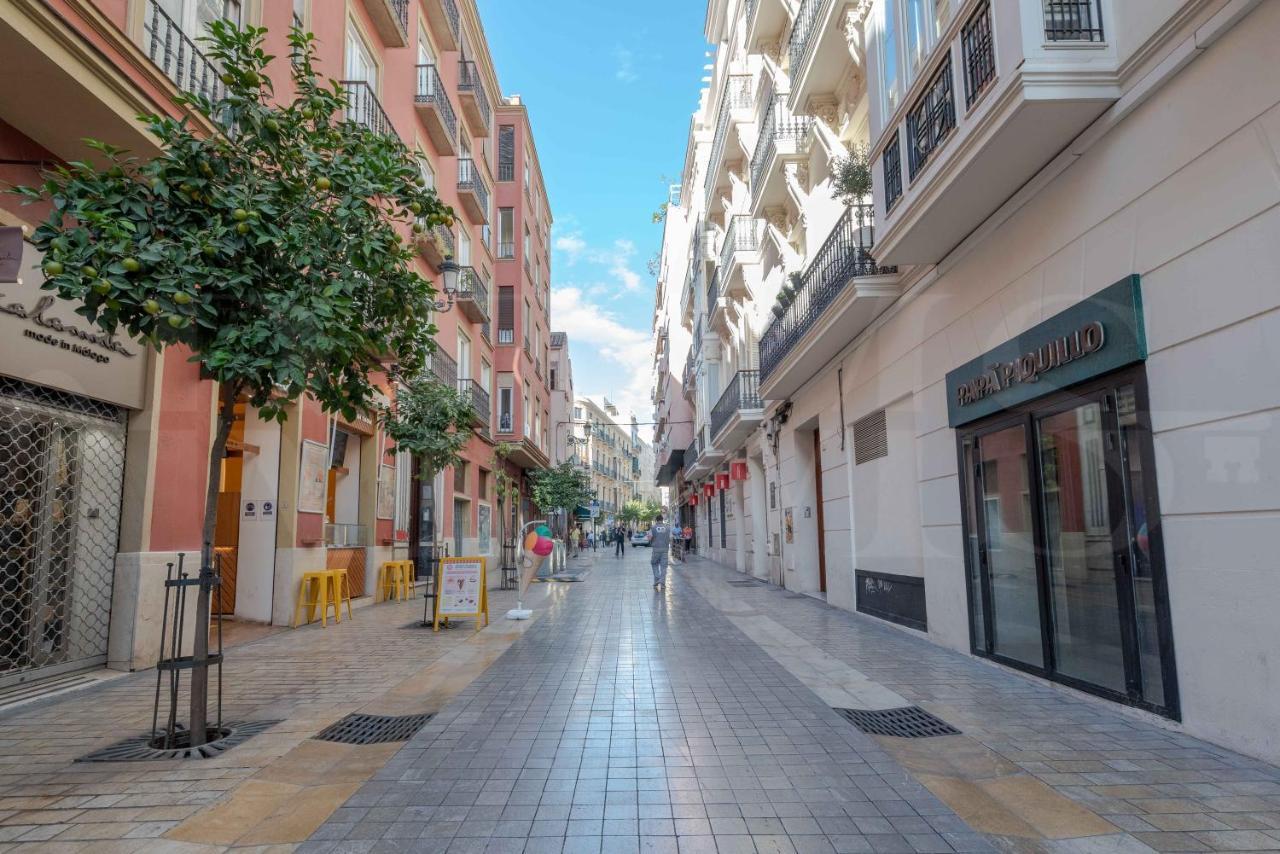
(620, 541)
(660, 540)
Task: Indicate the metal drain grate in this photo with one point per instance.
(907, 722)
(139, 749)
(373, 729)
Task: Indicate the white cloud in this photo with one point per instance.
(625, 59)
(617, 259)
(572, 245)
(624, 370)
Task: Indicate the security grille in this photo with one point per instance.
(906, 722)
(373, 729)
(61, 470)
(870, 438)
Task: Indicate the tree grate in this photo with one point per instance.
(907, 722)
(143, 748)
(373, 729)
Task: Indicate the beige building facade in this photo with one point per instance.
(1017, 398)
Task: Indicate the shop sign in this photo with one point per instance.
(709, 490)
(738, 470)
(48, 344)
(722, 481)
(1092, 337)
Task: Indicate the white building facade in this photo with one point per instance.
(1019, 398)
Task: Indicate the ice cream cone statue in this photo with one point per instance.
(534, 548)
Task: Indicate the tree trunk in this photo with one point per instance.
(227, 394)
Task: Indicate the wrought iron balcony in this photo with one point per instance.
(443, 367)
(742, 394)
(432, 102)
(364, 108)
(436, 244)
(391, 19)
(713, 291)
(931, 120)
(473, 193)
(559, 339)
(475, 103)
(444, 20)
(779, 125)
(479, 400)
(743, 235)
(175, 53)
(845, 255)
(1072, 21)
(803, 32)
(891, 164)
(473, 295)
(739, 93)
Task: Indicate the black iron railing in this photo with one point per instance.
(479, 400)
(364, 108)
(713, 290)
(446, 238)
(696, 348)
(739, 93)
(443, 367)
(401, 10)
(506, 249)
(891, 163)
(979, 54)
(743, 235)
(802, 33)
(506, 335)
(1072, 21)
(451, 15)
(470, 81)
(931, 119)
(175, 53)
(778, 124)
(472, 287)
(470, 179)
(432, 91)
(742, 393)
(692, 452)
(845, 255)
(559, 339)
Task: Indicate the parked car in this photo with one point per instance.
(640, 538)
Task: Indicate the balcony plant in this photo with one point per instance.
(271, 251)
(851, 176)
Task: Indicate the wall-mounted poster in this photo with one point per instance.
(386, 492)
(483, 525)
(462, 590)
(787, 526)
(313, 483)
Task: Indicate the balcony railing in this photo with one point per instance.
(364, 108)
(778, 124)
(451, 15)
(845, 254)
(506, 250)
(743, 235)
(479, 400)
(470, 179)
(739, 92)
(713, 290)
(431, 91)
(443, 367)
(1072, 21)
(559, 339)
(696, 348)
(469, 81)
(742, 393)
(473, 295)
(979, 54)
(692, 453)
(931, 119)
(175, 53)
(506, 335)
(803, 32)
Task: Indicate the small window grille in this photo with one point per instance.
(870, 438)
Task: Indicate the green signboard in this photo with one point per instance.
(1094, 336)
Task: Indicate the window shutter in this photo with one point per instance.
(506, 308)
(870, 438)
(506, 153)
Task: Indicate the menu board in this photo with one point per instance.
(313, 477)
(461, 592)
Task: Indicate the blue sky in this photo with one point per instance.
(610, 118)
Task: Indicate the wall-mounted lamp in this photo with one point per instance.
(449, 271)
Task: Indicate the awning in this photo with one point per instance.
(582, 512)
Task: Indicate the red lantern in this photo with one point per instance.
(693, 500)
(738, 470)
(722, 481)
(709, 490)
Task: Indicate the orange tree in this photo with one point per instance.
(273, 249)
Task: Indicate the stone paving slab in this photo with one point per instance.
(631, 720)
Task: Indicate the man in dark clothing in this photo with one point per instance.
(620, 538)
(660, 540)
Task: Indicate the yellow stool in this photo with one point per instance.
(410, 579)
(391, 580)
(317, 588)
(341, 591)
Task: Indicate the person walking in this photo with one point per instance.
(620, 540)
(660, 541)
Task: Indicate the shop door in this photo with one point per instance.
(1066, 580)
(460, 512)
(61, 471)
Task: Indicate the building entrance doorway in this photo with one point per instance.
(1065, 559)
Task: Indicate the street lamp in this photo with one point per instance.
(449, 271)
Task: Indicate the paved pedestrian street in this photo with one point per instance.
(622, 719)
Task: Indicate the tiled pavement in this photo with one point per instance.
(632, 721)
(306, 678)
(628, 720)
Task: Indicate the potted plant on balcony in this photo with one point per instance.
(851, 176)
